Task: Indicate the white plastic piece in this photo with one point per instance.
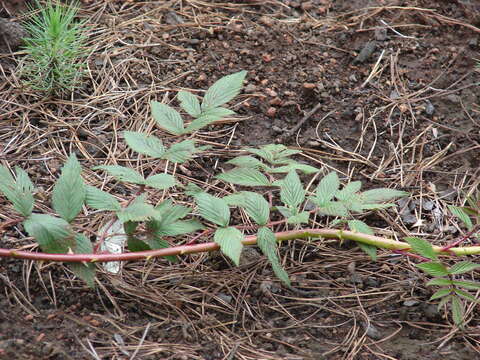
(114, 243)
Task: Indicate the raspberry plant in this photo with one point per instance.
(147, 227)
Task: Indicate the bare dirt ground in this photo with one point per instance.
(395, 90)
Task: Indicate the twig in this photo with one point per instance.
(305, 119)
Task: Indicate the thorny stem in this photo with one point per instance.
(249, 240)
(462, 239)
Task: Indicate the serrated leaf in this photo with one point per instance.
(381, 195)
(144, 144)
(245, 177)
(53, 234)
(167, 118)
(192, 190)
(433, 268)
(327, 188)
(439, 282)
(208, 117)
(230, 241)
(422, 247)
(300, 218)
(122, 173)
(160, 181)
(156, 242)
(85, 271)
(441, 293)
(134, 244)
(24, 201)
(268, 244)
(462, 215)
(254, 204)
(213, 209)
(189, 103)
(246, 161)
(348, 191)
(223, 90)
(180, 152)
(463, 267)
(69, 190)
(443, 301)
(471, 285)
(466, 295)
(100, 200)
(333, 208)
(263, 153)
(169, 213)
(179, 227)
(360, 226)
(307, 169)
(291, 190)
(138, 210)
(457, 311)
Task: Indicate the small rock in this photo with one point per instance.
(266, 20)
(249, 255)
(371, 282)
(473, 42)
(410, 303)
(278, 130)
(428, 205)
(271, 112)
(429, 108)
(372, 331)
(409, 219)
(430, 311)
(224, 297)
(366, 52)
(453, 98)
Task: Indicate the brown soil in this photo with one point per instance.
(398, 94)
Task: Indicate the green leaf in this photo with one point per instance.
(156, 242)
(230, 241)
(439, 282)
(134, 244)
(326, 189)
(85, 271)
(264, 153)
(286, 211)
(168, 213)
(348, 191)
(300, 218)
(457, 311)
(24, 187)
(144, 144)
(441, 293)
(246, 161)
(471, 285)
(208, 117)
(223, 90)
(433, 268)
(333, 208)
(167, 118)
(463, 267)
(69, 191)
(189, 103)
(443, 301)
(422, 247)
(245, 177)
(160, 181)
(381, 195)
(466, 295)
(268, 244)
(138, 210)
(180, 152)
(101, 200)
(370, 250)
(307, 169)
(213, 209)
(122, 173)
(291, 190)
(53, 234)
(179, 227)
(254, 204)
(462, 215)
(360, 226)
(192, 190)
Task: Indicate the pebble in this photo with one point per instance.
(372, 331)
(429, 108)
(250, 88)
(366, 52)
(410, 303)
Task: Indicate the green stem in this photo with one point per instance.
(249, 240)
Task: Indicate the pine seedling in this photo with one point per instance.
(55, 49)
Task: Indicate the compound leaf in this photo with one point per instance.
(457, 311)
(246, 161)
(208, 117)
(138, 210)
(440, 282)
(463, 267)
(180, 152)
(291, 190)
(327, 188)
(381, 195)
(230, 241)
(462, 215)
(433, 268)
(441, 293)
(348, 191)
(160, 181)
(85, 271)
